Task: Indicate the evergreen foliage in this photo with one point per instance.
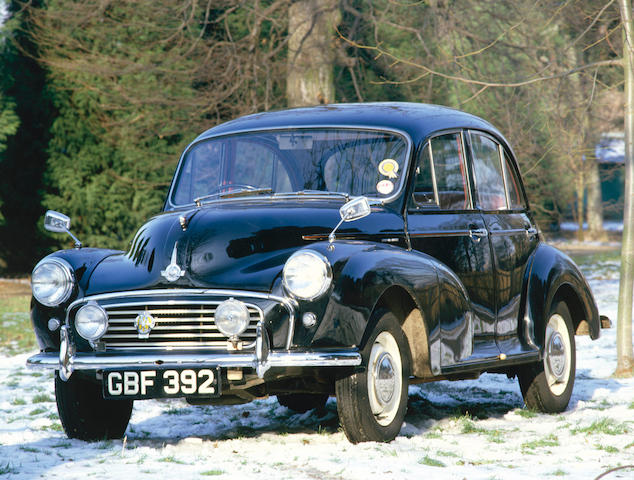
(98, 99)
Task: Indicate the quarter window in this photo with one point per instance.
(442, 163)
(512, 185)
(488, 173)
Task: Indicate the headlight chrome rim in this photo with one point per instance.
(326, 275)
(236, 325)
(101, 323)
(67, 285)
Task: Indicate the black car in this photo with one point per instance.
(346, 250)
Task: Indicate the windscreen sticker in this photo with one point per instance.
(388, 168)
(385, 187)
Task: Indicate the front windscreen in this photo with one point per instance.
(355, 162)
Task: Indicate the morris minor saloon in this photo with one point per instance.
(346, 250)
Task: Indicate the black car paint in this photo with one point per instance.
(243, 244)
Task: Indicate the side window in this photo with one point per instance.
(488, 173)
(442, 162)
(512, 185)
(450, 172)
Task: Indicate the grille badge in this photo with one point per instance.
(144, 323)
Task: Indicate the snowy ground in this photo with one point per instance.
(453, 430)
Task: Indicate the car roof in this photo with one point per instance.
(416, 119)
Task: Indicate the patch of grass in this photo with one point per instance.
(606, 426)
(62, 445)
(559, 473)
(212, 473)
(469, 426)
(30, 449)
(431, 462)
(18, 401)
(495, 436)
(41, 398)
(525, 413)
(607, 448)
(16, 334)
(171, 459)
(38, 411)
(432, 435)
(445, 453)
(7, 469)
(631, 406)
(549, 441)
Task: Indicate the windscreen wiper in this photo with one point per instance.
(239, 192)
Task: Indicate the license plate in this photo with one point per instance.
(140, 384)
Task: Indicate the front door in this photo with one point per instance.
(443, 223)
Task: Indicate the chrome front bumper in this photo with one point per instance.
(67, 360)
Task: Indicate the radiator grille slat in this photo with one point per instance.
(177, 325)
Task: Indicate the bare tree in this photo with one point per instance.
(311, 52)
(625, 357)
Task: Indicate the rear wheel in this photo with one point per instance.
(372, 404)
(547, 385)
(302, 402)
(85, 414)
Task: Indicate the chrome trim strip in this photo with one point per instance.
(510, 231)
(288, 303)
(369, 128)
(96, 361)
(442, 233)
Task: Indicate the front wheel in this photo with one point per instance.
(372, 404)
(547, 385)
(85, 414)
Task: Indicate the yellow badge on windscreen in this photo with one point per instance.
(389, 168)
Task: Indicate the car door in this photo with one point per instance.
(512, 235)
(443, 223)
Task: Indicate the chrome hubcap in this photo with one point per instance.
(557, 355)
(384, 381)
(385, 378)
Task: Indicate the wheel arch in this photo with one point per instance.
(552, 275)
(399, 301)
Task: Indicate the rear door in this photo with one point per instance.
(513, 237)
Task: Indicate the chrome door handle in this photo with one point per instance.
(477, 233)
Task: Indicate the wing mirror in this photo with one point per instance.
(59, 223)
(355, 209)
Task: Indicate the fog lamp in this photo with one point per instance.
(91, 321)
(232, 317)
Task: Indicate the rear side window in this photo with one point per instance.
(512, 185)
(487, 167)
(441, 177)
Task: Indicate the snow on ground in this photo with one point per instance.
(453, 430)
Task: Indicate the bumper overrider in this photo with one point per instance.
(261, 358)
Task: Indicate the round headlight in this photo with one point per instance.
(91, 321)
(232, 317)
(307, 274)
(52, 281)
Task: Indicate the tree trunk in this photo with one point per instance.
(579, 190)
(311, 52)
(624, 354)
(594, 207)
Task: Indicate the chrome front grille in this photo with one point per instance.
(178, 325)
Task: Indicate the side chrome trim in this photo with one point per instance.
(288, 303)
(442, 233)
